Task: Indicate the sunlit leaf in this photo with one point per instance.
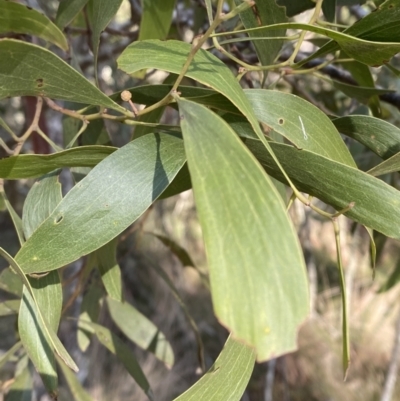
(30, 166)
(227, 378)
(9, 307)
(109, 269)
(18, 18)
(390, 165)
(30, 70)
(140, 330)
(249, 268)
(137, 173)
(10, 282)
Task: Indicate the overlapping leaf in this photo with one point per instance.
(18, 18)
(111, 197)
(156, 19)
(30, 70)
(68, 10)
(250, 269)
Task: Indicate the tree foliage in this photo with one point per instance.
(236, 140)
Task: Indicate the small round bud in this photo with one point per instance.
(126, 96)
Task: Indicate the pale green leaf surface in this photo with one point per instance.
(9, 307)
(18, 18)
(228, 377)
(68, 10)
(376, 203)
(123, 353)
(41, 200)
(140, 330)
(30, 166)
(30, 70)
(156, 19)
(35, 339)
(378, 135)
(264, 12)
(137, 173)
(250, 269)
(109, 269)
(44, 332)
(300, 122)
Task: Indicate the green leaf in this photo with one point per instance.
(30, 166)
(31, 303)
(68, 10)
(14, 217)
(34, 336)
(123, 353)
(78, 392)
(110, 198)
(227, 378)
(366, 51)
(9, 354)
(361, 93)
(249, 268)
(90, 309)
(30, 70)
(21, 388)
(390, 165)
(300, 122)
(102, 12)
(294, 7)
(393, 279)
(265, 12)
(156, 19)
(329, 10)
(110, 270)
(140, 330)
(380, 136)
(43, 197)
(9, 307)
(10, 282)
(375, 202)
(379, 26)
(18, 18)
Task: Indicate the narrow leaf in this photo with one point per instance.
(17, 221)
(30, 166)
(9, 354)
(9, 307)
(227, 378)
(140, 330)
(21, 388)
(68, 10)
(156, 19)
(138, 173)
(249, 268)
(10, 282)
(265, 12)
(390, 165)
(124, 355)
(380, 136)
(375, 202)
(18, 18)
(30, 70)
(110, 270)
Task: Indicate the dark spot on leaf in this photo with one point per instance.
(29, 8)
(281, 121)
(39, 82)
(58, 219)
